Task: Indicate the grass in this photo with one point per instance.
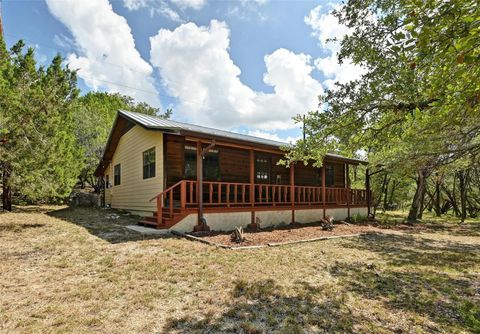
(80, 270)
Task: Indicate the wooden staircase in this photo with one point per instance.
(170, 209)
(166, 220)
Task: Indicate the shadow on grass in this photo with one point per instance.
(431, 224)
(446, 301)
(424, 285)
(434, 278)
(107, 224)
(18, 227)
(415, 250)
(263, 307)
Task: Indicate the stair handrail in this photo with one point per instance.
(167, 190)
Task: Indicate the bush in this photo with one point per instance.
(358, 218)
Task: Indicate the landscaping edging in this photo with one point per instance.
(270, 244)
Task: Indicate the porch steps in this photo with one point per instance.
(167, 221)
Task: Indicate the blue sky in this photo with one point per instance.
(247, 66)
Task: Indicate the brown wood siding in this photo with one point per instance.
(282, 171)
(234, 165)
(174, 156)
(306, 175)
(339, 174)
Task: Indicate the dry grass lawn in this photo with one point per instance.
(79, 271)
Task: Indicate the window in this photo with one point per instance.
(190, 162)
(262, 169)
(107, 181)
(149, 163)
(211, 164)
(116, 175)
(329, 176)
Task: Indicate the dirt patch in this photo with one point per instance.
(286, 234)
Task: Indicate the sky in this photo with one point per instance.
(244, 66)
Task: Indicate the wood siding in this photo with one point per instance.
(174, 158)
(134, 192)
(234, 166)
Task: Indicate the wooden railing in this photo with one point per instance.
(230, 194)
(163, 197)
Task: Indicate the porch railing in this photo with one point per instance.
(230, 194)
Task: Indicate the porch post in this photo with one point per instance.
(367, 186)
(292, 190)
(252, 184)
(347, 185)
(324, 199)
(199, 182)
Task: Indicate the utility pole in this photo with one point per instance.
(303, 128)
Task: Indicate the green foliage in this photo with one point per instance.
(51, 137)
(417, 107)
(94, 117)
(39, 149)
(358, 218)
(471, 315)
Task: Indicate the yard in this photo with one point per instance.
(80, 270)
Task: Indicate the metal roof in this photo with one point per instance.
(153, 122)
(157, 123)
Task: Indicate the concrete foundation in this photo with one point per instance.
(227, 221)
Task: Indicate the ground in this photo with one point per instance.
(286, 234)
(80, 270)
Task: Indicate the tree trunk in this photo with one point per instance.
(422, 201)
(452, 200)
(385, 196)
(7, 190)
(417, 202)
(437, 205)
(392, 191)
(462, 183)
(384, 191)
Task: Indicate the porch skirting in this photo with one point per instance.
(227, 221)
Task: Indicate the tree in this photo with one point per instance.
(40, 158)
(94, 117)
(402, 113)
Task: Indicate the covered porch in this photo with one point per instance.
(212, 176)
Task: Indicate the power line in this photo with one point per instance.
(110, 63)
(68, 50)
(34, 43)
(216, 90)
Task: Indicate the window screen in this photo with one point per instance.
(149, 163)
(116, 175)
(329, 176)
(262, 172)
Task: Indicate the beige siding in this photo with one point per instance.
(134, 192)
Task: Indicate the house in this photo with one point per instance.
(151, 167)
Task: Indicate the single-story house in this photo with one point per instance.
(151, 166)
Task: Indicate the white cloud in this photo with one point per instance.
(326, 26)
(135, 4)
(194, 4)
(107, 57)
(195, 66)
(64, 42)
(160, 7)
(247, 10)
(273, 136)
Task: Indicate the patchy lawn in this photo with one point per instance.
(64, 270)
